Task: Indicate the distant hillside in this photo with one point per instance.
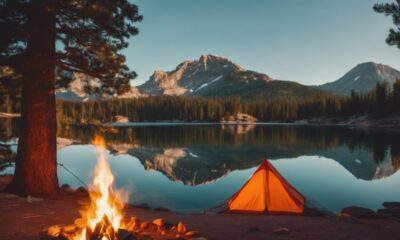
(83, 88)
(362, 78)
(214, 76)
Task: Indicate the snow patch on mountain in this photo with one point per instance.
(191, 76)
(208, 83)
(362, 78)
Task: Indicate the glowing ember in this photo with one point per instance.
(103, 218)
(104, 215)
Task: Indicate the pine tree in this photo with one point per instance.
(395, 96)
(393, 10)
(42, 37)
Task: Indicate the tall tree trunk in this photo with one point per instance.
(36, 165)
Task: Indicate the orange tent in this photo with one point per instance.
(267, 192)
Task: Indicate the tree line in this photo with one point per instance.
(380, 102)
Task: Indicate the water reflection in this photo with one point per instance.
(201, 154)
(195, 167)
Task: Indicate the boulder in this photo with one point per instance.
(359, 212)
(281, 231)
(193, 234)
(162, 209)
(253, 229)
(144, 225)
(123, 234)
(346, 218)
(391, 212)
(82, 191)
(133, 224)
(32, 199)
(67, 188)
(143, 206)
(159, 222)
(180, 227)
(391, 205)
(120, 119)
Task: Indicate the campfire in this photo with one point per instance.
(103, 218)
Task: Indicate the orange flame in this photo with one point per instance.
(105, 203)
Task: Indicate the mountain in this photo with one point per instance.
(199, 164)
(215, 76)
(362, 78)
(82, 84)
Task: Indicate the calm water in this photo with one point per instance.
(191, 168)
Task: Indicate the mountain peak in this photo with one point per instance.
(192, 75)
(362, 78)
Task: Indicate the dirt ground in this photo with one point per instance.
(26, 218)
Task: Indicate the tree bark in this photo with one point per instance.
(36, 164)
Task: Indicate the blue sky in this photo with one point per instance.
(308, 41)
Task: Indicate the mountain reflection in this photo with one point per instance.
(202, 154)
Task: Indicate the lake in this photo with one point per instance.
(194, 167)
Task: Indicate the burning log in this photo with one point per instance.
(134, 229)
(103, 229)
(103, 218)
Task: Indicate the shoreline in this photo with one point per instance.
(363, 122)
(359, 122)
(9, 115)
(28, 218)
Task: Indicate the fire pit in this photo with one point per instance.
(103, 218)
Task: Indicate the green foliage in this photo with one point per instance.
(89, 38)
(393, 10)
(379, 102)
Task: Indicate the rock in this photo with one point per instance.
(67, 188)
(120, 119)
(143, 206)
(162, 209)
(178, 237)
(31, 199)
(168, 225)
(281, 231)
(148, 226)
(391, 212)
(54, 231)
(159, 222)
(253, 229)
(72, 228)
(391, 205)
(133, 224)
(82, 191)
(180, 227)
(193, 234)
(123, 234)
(152, 227)
(144, 225)
(314, 212)
(346, 218)
(359, 212)
(145, 237)
(64, 142)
